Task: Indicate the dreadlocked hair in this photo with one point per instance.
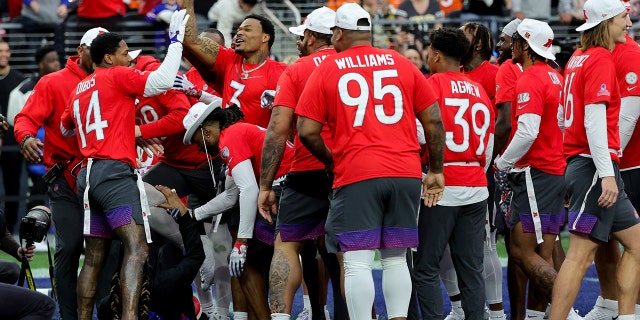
(226, 117)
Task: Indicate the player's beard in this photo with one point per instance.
(504, 56)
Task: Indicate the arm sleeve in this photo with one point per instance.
(221, 203)
(525, 135)
(422, 140)
(245, 178)
(595, 124)
(629, 114)
(16, 102)
(489, 152)
(162, 78)
(560, 116)
(206, 97)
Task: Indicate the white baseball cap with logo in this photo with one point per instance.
(91, 34)
(320, 20)
(511, 27)
(539, 36)
(196, 115)
(349, 14)
(596, 11)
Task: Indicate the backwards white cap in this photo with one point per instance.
(319, 20)
(91, 34)
(539, 36)
(511, 27)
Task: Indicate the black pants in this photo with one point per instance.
(24, 304)
(462, 228)
(67, 214)
(11, 163)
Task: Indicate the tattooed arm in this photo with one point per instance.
(200, 51)
(272, 152)
(433, 182)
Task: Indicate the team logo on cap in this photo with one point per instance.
(527, 35)
(631, 78)
(548, 44)
(585, 14)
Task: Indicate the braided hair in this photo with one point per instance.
(225, 117)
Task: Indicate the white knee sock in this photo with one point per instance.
(221, 239)
(280, 316)
(395, 281)
(492, 272)
(240, 315)
(358, 283)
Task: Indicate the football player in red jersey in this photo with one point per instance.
(247, 72)
(476, 63)
(102, 113)
(458, 219)
(303, 206)
(192, 83)
(44, 108)
(608, 255)
(240, 146)
(598, 208)
(536, 163)
(370, 98)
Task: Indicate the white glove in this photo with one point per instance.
(181, 83)
(178, 24)
(237, 258)
(266, 100)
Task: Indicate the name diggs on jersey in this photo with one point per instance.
(465, 87)
(577, 61)
(86, 85)
(366, 60)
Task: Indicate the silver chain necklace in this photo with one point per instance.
(245, 73)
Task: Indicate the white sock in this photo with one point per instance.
(637, 309)
(222, 311)
(456, 307)
(280, 316)
(496, 314)
(358, 283)
(627, 317)
(395, 281)
(533, 314)
(237, 315)
(609, 304)
(306, 302)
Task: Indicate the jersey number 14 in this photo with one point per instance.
(97, 125)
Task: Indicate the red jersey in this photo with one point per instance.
(45, 106)
(627, 73)
(194, 77)
(242, 141)
(102, 109)
(468, 122)
(96, 9)
(161, 116)
(485, 75)
(288, 92)
(538, 92)
(369, 98)
(245, 92)
(589, 77)
(506, 78)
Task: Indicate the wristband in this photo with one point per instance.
(27, 137)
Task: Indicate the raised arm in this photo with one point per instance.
(200, 51)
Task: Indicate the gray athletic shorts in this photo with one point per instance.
(549, 191)
(631, 180)
(114, 197)
(372, 214)
(304, 205)
(594, 220)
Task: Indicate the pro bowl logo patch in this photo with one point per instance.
(523, 97)
(603, 91)
(224, 153)
(631, 78)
